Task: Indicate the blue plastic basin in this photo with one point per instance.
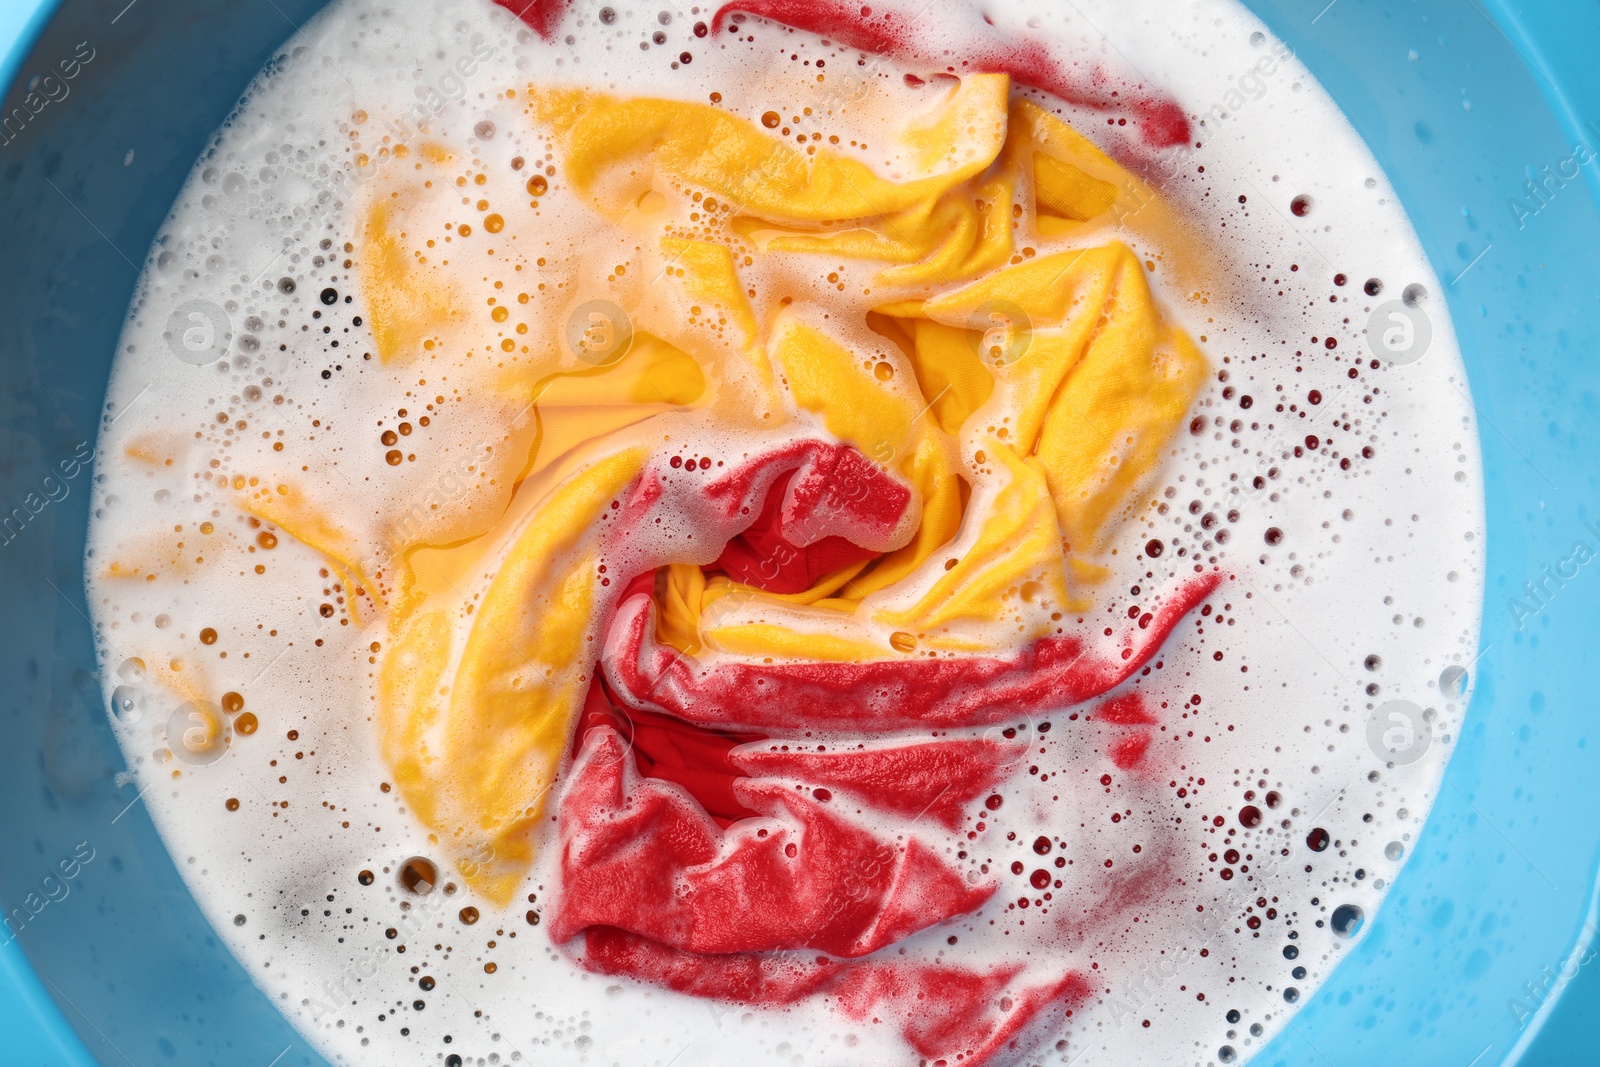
(1463, 101)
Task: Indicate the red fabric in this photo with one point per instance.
(673, 751)
(1054, 672)
(640, 855)
(830, 491)
(946, 1014)
(708, 846)
(933, 780)
(1128, 752)
(953, 1013)
(745, 978)
(765, 557)
(1125, 709)
(542, 16)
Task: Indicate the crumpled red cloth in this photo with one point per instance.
(641, 854)
(748, 831)
(950, 1014)
(883, 695)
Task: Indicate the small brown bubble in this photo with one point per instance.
(366, 877)
(419, 875)
(489, 968)
(246, 724)
(469, 915)
(390, 437)
(405, 429)
(771, 120)
(232, 804)
(208, 636)
(206, 527)
(494, 223)
(232, 703)
(326, 611)
(267, 540)
(537, 186)
(394, 456)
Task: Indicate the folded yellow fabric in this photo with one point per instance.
(1008, 364)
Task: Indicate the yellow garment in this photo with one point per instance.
(1011, 368)
(477, 766)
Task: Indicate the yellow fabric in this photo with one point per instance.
(288, 509)
(1102, 383)
(620, 143)
(709, 275)
(478, 765)
(828, 379)
(1004, 359)
(768, 641)
(651, 372)
(933, 226)
(1064, 190)
(409, 301)
(1017, 553)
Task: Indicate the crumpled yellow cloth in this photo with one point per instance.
(1010, 365)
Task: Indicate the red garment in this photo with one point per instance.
(901, 694)
(712, 844)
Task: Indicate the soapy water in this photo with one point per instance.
(1303, 716)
